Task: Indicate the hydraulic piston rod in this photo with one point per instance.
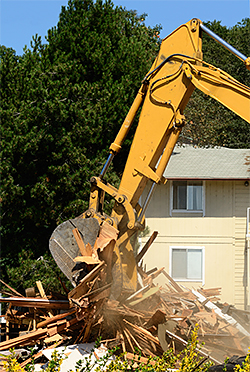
(226, 45)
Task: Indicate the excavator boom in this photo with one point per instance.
(166, 89)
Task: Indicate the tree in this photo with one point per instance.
(62, 105)
(208, 122)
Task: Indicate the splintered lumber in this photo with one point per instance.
(135, 294)
(146, 247)
(106, 235)
(184, 343)
(37, 302)
(82, 287)
(24, 339)
(83, 249)
(157, 318)
(134, 323)
(88, 255)
(55, 318)
(12, 289)
(42, 293)
(144, 332)
(172, 281)
(40, 353)
(89, 260)
(210, 292)
(145, 295)
(218, 311)
(39, 334)
(153, 275)
(129, 340)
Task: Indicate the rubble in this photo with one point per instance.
(150, 320)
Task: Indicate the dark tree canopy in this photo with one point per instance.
(62, 104)
(208, 122)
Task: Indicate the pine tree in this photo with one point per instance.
(62, 105)
(208, 122)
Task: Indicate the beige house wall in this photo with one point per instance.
(221, 232)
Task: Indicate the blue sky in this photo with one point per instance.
(20, 19)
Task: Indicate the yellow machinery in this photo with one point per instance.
(164, 93)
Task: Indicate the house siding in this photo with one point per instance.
(242, 201)
(221, 231)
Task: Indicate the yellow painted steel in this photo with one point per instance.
(176, 72)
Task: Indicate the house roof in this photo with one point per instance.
(188, 162)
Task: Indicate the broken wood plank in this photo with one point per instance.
(89, 260)
(83, 249)
(42, 293)
(143, 331)
(135, 294)
(106, 235)
(129, 340)
(184, 343)
(37, 302)
(145, 295)
(157, 318)
(146, 247)
(55, 318)
(173, 282)
(24, 339)
(152, 271)
(82, 287)
(152, 276)
(106, 254)
(40, 353)
(218, 311)
(12, 289)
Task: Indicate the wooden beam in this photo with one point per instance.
(12, 289)
(22, 340)
(85, 250)
(82, 287)
(146, 247)
(37, 302)
(55, 318)
(173, 282)
(42, 293)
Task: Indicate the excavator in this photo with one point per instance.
(165, 91)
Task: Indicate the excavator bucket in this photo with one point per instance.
(65, 248)
(79, 244)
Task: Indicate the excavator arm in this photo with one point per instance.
(163, 96)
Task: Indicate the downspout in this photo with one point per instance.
(247, 261)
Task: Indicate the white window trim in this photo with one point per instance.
(175, 211)
(202, 248)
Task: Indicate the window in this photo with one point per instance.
(187, 196)
(187, 263)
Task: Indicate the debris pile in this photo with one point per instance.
(150, 320)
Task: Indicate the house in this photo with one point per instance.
(201, 217)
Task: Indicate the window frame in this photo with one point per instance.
(186, 211)
(202, 249)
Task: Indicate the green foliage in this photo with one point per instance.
(186, 361)
(62, 104)
(28, 270)
(245, 365)
(61, 107)
(208, 122)
(55, 362)
(11, 364)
